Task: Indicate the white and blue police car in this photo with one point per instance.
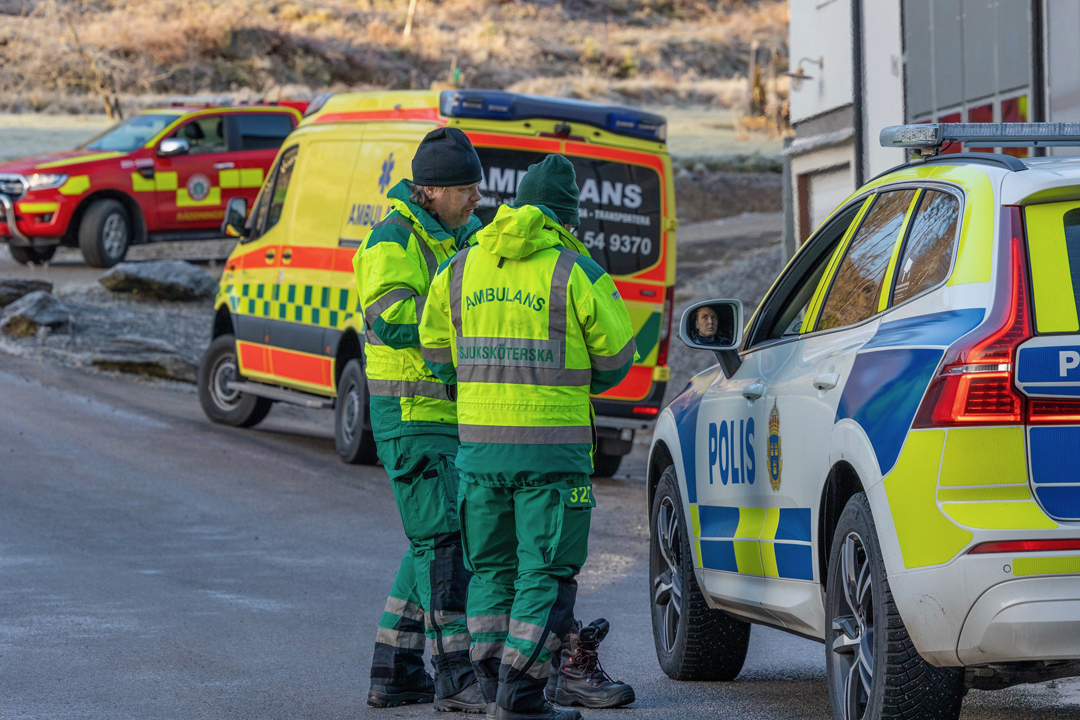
(886, 457)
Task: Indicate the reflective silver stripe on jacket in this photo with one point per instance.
(518, 352)
(376, 309)
(408, 388)
(616, 361)
(556, 435)
(437, 355)
(519, 361)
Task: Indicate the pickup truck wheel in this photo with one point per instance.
(105, 233)
(693, 641)
(355, 442)
(31, 256)
(874, 670)
(220, 403)
(606, 466)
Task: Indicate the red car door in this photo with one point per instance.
(189, 194)
(254, 139)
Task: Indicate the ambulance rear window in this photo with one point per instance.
(620, 205)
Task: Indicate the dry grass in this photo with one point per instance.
(671, 51)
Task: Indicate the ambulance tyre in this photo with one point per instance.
(355, 443)
(31, 256)
(693, 641)
(874, 670)
(220, 403)
(606, 466)
(105, 233)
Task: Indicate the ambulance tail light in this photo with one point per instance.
(975, 383)
(665, 327)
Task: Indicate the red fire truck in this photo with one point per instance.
(160, 175)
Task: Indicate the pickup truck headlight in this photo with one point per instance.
(40, 181)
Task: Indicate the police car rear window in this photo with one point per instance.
(620, 205)
(1054, 251)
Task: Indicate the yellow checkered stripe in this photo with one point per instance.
(227, 180)
(306, 304)
(767, 542)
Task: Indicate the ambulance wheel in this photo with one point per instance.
(221, 403)
(31, 256)
(105, 233)
(355, 441)
(606, 466)
(693, 642)
(873, 668)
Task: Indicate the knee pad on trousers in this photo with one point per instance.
(449, 578)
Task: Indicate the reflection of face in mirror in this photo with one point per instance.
(706, 324)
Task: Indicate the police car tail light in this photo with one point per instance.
(1024, 546)
(975, 384)
(1053, 412)
(665, 327)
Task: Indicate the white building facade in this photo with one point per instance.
(872, 63)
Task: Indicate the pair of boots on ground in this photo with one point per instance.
(577, 678)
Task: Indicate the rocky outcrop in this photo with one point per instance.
(161, 279)
(34, 310)
(11, 289)
(145, 356)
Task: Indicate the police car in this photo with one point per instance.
(886, 457)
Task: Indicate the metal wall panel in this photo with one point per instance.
(948, 56)
(980, 34)
(1014, 44)
(918, 49)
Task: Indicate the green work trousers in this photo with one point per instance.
(428, 595)
(524, 546)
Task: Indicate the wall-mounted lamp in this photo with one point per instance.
(798, 75)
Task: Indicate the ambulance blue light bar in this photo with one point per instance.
(499, 105)
(933, 135)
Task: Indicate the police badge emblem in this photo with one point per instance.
(776, 464)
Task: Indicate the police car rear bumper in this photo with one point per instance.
(1026, 619)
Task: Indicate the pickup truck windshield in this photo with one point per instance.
(130, 134)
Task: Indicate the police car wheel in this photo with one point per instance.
(105, 233)
(221, 403)
(873, 668)
(693, 641)
(352, 433)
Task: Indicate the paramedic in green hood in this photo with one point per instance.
(414, 420)
(527, 326)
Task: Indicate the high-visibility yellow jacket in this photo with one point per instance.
(394, 268)
(527, 325)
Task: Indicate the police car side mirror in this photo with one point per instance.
(235, 217)
(715, 325)
(173, 146)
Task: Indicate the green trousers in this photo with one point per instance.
(524, 546)
(428, 595)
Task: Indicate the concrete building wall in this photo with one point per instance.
(883, 68)
(820, 29)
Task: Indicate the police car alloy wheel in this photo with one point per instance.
(353, 437)
(221, 403)
(872, 666)
(693, 642)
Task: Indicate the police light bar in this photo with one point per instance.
(933, 135)
(500, 105)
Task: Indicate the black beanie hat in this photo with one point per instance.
(446, 158)
(552, 183)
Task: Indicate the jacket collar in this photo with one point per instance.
(429, 223)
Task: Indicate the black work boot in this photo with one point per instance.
(387, 696)
(581, 678)
(548, 712)
(469, 700)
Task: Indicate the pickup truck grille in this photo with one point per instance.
(14, 186)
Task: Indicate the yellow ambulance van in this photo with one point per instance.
(288, 327)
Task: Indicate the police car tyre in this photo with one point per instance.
(693, 641)
(105, 233)
(31, 256)
(873, 668)
(606, 466)
(222, 405)
(354, 440)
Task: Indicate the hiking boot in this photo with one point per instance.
(387, 696)
(549, 712)
(581, 679)
(469, 700)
